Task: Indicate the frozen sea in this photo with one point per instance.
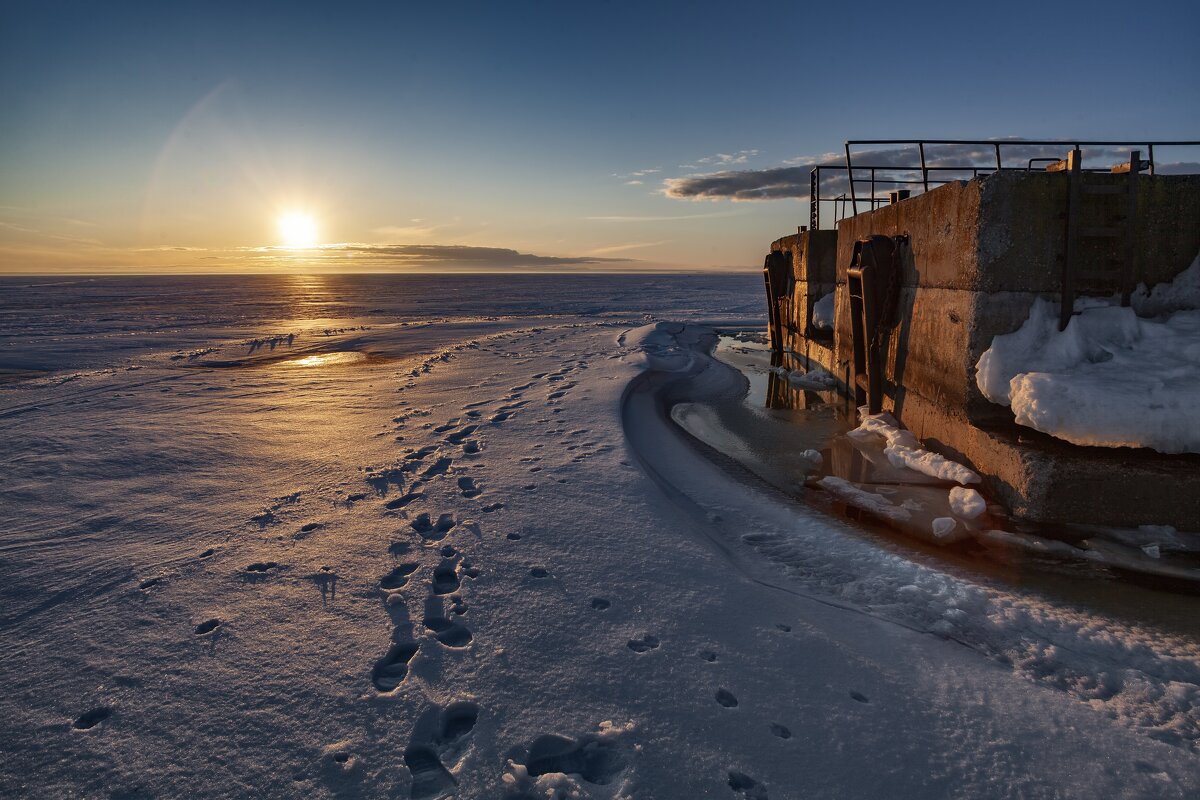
(434, 536)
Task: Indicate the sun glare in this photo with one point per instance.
(297, 230)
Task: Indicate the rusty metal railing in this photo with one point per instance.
(923, 175)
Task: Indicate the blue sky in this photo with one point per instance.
(171, 136)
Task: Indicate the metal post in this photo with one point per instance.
(1135, 167)
(814, 198)
(1074, 195)
(924, 170)
(850, 175)
(999, 163)
(1150, 155)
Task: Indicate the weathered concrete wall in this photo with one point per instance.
(982, 250)
(814, 271)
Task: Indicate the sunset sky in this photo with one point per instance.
(177, 136)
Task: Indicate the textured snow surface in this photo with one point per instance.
(1112, 378)
(477, 559)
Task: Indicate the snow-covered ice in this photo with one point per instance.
(478, 558)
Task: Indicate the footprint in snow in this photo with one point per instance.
(450, 633)
(259, 570)
(596, 759)
(445, 577)
(492, 507)
(726, 698)
(646, 644)
(397, 578)
(439, 735)
(401, 502)
(746, 786)
(469, 487)
(91, 718)
(459, 436)
(433, 531)
(439, 467)
(420, 455)
(391, 670)
(208, 626)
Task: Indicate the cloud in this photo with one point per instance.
(793, 179)
(723, 159)
(663, 218)
(414, 231)
(619, 248)
(759, 184)
(637, 173)
(332, 258)
(1177, 168)
(431, 256)
(633, 183)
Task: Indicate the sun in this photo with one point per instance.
(297, 229)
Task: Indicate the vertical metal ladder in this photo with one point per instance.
(1120, 227)
(873, 275)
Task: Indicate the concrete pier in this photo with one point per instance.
(977, 254)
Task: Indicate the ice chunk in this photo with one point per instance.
(813, 457)
(815, 379)
(822, 312)
(904, 450)
(860, 498)
(966, 503)
(943, 527)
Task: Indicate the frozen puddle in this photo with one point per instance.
(325, 360)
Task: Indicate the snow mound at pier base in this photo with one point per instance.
(1111, 378)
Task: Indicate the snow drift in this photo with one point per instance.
(1113, 377)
